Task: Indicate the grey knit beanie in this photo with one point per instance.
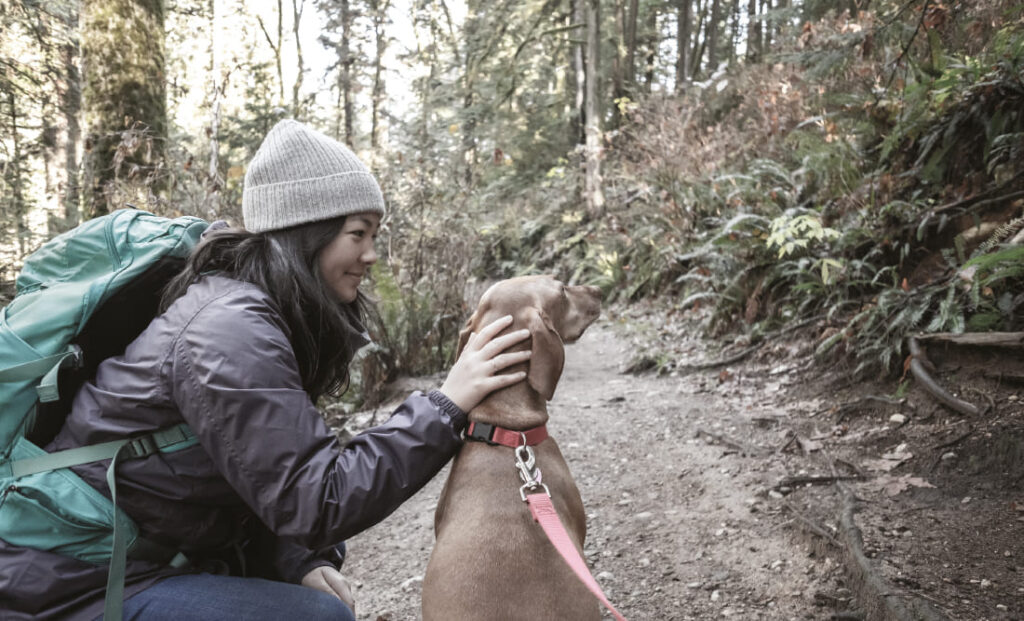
(299, 175)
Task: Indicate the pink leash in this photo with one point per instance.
(544, 513)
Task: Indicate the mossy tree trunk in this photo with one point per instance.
(125, 103)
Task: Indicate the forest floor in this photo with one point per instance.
(720, 493)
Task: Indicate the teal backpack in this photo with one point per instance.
(81, 298)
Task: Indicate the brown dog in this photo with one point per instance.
(491, 560)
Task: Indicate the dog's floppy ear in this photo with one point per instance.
(548, 356)
(464, 335)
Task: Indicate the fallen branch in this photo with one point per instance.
(724, 362)
(918, 367)
(726, 440)
(979, 339)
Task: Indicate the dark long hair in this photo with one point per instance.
(284, 264)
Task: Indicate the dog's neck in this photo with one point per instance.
(517, 407)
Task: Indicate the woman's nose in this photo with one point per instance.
(369, 256)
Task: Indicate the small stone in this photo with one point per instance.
(413, 582)
(719, 532)
(1001, 607)
(774, 494)
(898, 419)
(986, 584)
(606, 575)
(693, 585)
(1007, 554)
(643, 516)
(715, 596)
(1012, 398)
(785, 490)
(948, 456)
(645, 562)
(965, 500)
(776, 564)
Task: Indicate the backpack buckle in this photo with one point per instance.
(142, 446)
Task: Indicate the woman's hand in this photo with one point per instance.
(330, 581)
(475, 374)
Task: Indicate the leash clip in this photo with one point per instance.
(529, 473)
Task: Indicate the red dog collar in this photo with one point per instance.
(492, 434)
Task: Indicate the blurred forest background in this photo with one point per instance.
(851, 165)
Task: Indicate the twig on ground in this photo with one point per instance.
(810, 525)
(815, 480)
(789, 442)
(726, 440)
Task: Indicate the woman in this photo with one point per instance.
(261, 323)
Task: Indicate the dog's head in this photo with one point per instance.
(553, 313)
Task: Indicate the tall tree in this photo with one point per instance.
(276, 46)
(297, 8)
(124, 98)
(753, 32)
(379, 12)
(339, 36)
(712, 34)
(651, 40)
(577, 127)
(71, 107)
(593, 193)
(683, 25)
(624, 60)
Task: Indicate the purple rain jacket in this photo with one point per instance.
(268, 482)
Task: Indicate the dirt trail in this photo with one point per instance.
(680, 526)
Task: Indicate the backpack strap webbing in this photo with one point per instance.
(47, 368)
(167, 440)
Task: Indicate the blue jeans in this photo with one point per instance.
(210, 597)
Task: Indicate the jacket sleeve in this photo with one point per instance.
(234, 377)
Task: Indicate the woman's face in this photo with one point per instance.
(348, 257)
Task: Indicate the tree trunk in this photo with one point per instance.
(14, 176)
(753, 33)
(380, 10)
(124, 100)
(71, 106)
(631, 43)
(213, 183)
(712, 36)
(651, 38)
(683, 26)
(592, 185)
(698, 41)
(297, 7)
(346, 87)
(472, 57)
(579, 124)
(275, 46)
(734, 36)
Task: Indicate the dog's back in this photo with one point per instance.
(491, 560)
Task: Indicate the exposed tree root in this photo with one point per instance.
(919, 367)
(880, 600)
